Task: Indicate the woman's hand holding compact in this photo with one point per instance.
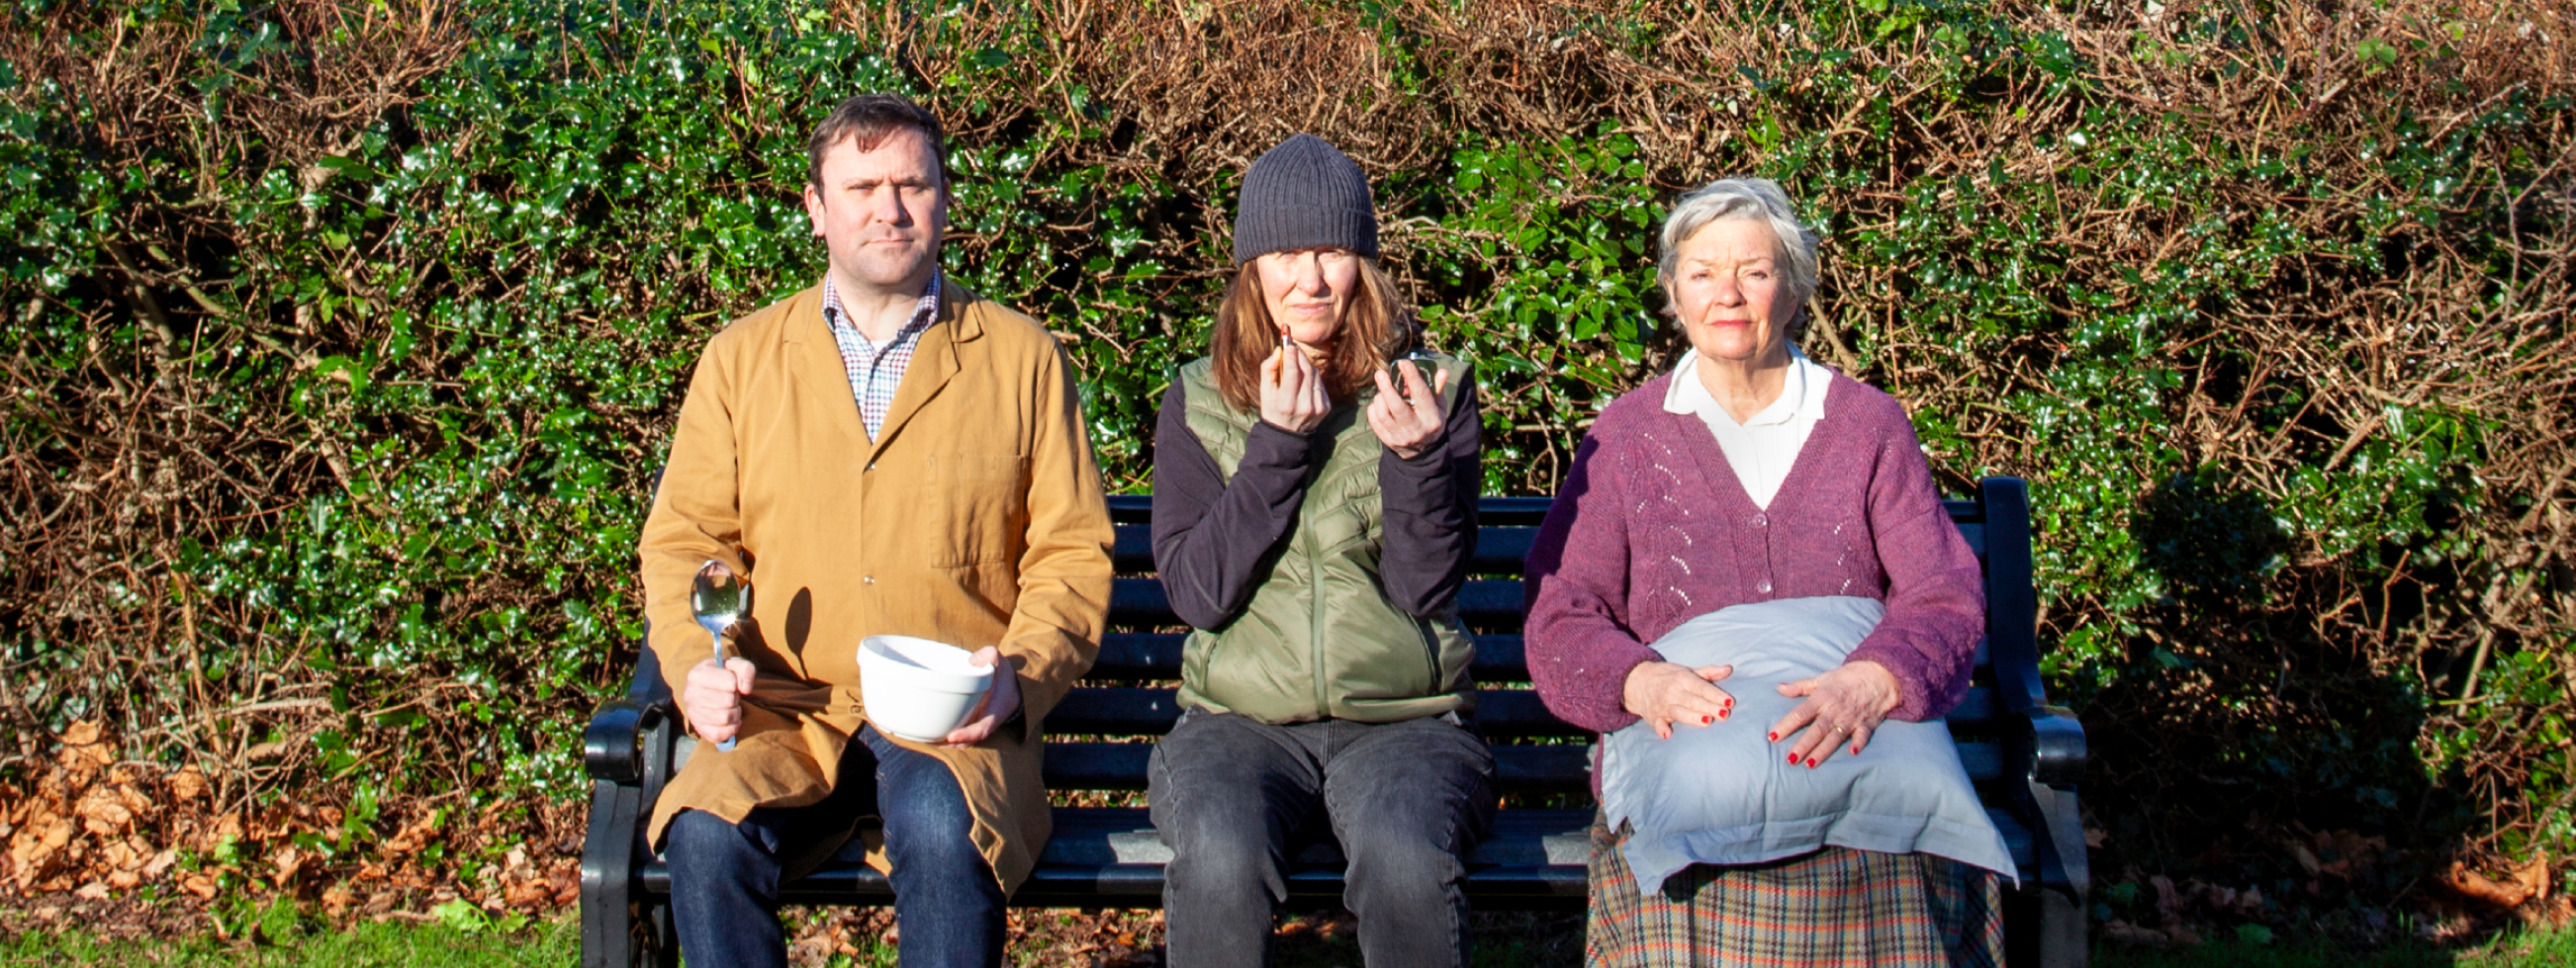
(1408, 423)
(1844, 704)
(1293, 396)
(1664, 693)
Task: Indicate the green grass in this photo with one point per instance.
(2512, 949)
(1307, 943)
(285, 942)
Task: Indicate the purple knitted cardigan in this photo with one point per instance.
(1651, 529)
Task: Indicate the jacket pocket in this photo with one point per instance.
(978, 507)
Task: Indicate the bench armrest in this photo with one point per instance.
(613, 747)
(2054, 754)
(2057, 752)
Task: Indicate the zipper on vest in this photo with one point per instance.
(1430, 652)
(1315, 605)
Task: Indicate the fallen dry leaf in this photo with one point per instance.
(2533, 877)
(2352, 852)
(124, 854)
(531, 893)
(103, 814)
(186, 785)
(92, 891)
(2307, 858)
(2556, 912)
(2478, 888)
(36, 845)
(2122, 932)
(413, 836)
(200, 885)
(84, 752)
(565, 879)
(291, 865)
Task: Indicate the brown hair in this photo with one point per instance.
(1374, 330)
(870, 118)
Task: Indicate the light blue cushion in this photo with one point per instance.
(1725, 794)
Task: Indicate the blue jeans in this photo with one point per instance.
(947, 903)
(1407, 801)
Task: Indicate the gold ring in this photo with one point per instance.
(1842, 729)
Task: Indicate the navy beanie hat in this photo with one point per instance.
(1302, 194)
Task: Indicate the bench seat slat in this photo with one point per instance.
(1121, 766)
(1515, 713)
(1114, 851)
(1518, 768)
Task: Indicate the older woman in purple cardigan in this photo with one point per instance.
(1751, 474)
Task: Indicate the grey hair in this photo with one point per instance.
(1751, 199)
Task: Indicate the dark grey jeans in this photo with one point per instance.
(1232, 797)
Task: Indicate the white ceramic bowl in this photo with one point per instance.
(916, 688)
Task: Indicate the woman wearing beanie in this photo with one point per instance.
(1313, 515)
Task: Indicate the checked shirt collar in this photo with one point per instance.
(876, 369)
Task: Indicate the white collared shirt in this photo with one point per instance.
(1762, 449)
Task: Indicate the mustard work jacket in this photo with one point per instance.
(975, 518)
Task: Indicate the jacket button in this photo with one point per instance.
(872, 465)
(1759, 520)
(872, 579)
(1764, 587)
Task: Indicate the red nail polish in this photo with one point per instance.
(1811, 762)
(1704, 720)
(1855, 751)
(1793, 759)
(1775, 737)
(1721, 714)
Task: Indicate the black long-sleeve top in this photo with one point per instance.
(1213, 537)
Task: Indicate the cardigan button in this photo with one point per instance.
(1764, 587)
(1761, 520)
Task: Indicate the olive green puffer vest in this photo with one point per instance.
(1319, 638)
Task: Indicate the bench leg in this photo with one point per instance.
(609, 932)
(2061, 930)
(662, 943)
(2066, 880)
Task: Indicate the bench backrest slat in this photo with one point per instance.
(1128, 696)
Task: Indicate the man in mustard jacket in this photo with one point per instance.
(883, 453)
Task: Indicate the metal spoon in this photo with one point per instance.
(718, 597)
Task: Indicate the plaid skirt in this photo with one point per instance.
(1837, 906)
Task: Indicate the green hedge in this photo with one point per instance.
(343, 338)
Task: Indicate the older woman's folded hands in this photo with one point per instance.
(1844, 704)
(1664, 693)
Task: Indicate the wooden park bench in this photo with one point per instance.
(2024, 755)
